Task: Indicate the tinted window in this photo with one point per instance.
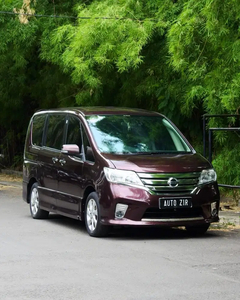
(37, 129)
(136, 134)
(74, 133)
(55, 131)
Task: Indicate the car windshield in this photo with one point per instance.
(124, 134)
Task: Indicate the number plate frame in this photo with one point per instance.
(175, 202)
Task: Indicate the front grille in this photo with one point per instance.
(158, 184)
(156, 213)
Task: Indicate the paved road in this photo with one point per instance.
(56, 259)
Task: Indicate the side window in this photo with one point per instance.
(37, 129)
(55, 131)
(87, 148)
(74, 133)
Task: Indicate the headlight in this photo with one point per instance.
(207, 176)
(123, 177)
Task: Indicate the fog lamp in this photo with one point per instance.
(214, 210)
(120, 210)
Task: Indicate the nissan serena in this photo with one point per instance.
(116, 166)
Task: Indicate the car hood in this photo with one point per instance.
(162, 163)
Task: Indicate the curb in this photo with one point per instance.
(11, 172)
(12, 183)
(229, 217)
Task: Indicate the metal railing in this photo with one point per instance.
(210, 131)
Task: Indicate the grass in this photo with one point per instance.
(10, 178)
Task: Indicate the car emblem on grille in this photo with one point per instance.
(172, 182)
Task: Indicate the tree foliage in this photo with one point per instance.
(205, 47)
(178, 57)
(26, 82)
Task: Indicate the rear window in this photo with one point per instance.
(37, 129)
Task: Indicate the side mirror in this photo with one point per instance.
(70, 149)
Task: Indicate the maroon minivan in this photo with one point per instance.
(116, 166)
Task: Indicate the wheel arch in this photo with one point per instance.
(88, 190)
(29, 186)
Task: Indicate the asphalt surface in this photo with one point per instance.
(56, 259)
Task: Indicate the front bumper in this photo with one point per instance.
(143, 207)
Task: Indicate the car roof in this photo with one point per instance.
(103, 110)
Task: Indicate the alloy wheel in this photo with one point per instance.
(92, 215)
(34, 201)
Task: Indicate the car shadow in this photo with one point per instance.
(163, 233)
(134, 233)
(63, 221)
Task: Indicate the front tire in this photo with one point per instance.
(35, 211)
(92, 217)
(197, 229)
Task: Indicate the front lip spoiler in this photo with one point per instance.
(166, 222)
(173, 220)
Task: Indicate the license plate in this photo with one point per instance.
(177, 202)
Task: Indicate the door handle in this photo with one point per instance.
(62, 161)
(54, 159)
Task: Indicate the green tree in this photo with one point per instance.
(26, 82)
(178, 57)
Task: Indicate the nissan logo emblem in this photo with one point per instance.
(172, 182)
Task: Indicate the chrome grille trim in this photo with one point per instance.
(164, 182)
(173, 220)
(157, 183)
(168, 175)
(169, 189)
